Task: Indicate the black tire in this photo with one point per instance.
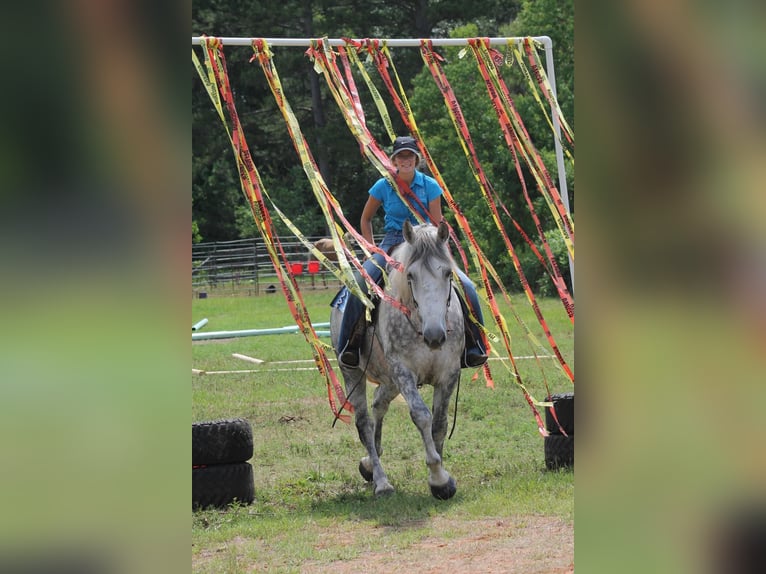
(563, 404)
(221, 442)
(559, 451)
(221, 484)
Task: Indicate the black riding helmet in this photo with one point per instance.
(405, 143)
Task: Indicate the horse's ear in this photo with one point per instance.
(407, 231)
(443, 233)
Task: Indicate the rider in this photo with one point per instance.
(405, 158)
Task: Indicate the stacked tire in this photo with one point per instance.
(559, 444)
(220, 471)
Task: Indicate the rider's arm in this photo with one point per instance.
(435, 210)
(365, 224)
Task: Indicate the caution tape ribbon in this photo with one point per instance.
(479, 259)
(322, 361)
(535, 87)
(544, 83)
(380, 104)
(325, 60)
(384, 62)
(551, 267)
(516, 134)
(253, 189)
(352, 91)
(381, 56)
(325, 198)
(327, 202)
(566, 298)
(325, 63)
(464, 136)
(511, 136)
(538, 162)
(510, 121)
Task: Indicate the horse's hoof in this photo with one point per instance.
(366, 474)
(445, 491)
(384, 490)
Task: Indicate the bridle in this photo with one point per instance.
(416, 305)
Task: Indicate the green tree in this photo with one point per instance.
(219, 208)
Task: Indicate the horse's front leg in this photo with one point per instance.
(442, 395)
(442, 484)
(384, 394)
(369, 467)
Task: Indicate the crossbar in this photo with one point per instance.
(391, 42)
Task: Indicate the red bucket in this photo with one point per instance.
(313, 266)
(297, 268)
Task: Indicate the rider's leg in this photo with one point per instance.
(475, 353)
(352, 327)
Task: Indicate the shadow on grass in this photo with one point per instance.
(400, 509)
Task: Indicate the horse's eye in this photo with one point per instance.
(409, 276)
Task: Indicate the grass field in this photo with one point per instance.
(311, 506)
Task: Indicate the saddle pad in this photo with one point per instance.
(340, 299)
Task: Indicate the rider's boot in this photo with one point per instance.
(474, 354)
(349, 355)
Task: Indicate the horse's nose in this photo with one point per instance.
(434, 337)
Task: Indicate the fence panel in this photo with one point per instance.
(243, 266)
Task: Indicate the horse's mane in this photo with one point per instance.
(426, 247)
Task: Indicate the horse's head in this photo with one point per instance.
(428, 273)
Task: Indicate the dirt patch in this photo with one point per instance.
(528, 545)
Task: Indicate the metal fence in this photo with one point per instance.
(244, 267)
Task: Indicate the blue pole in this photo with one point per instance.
(254, 332)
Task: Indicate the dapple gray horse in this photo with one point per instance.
(401, 353)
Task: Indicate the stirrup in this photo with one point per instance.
(472, 359)
(349, 357)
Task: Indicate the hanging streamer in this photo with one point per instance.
(376, 97)
(324, 197)
(511, 119)
(342, 90)
(341, 83)
(383, 63)
(512, 139)
(545, 85)
(540, 84)
(253, 189)
(324, 60)
(381, 56)
(453, 106)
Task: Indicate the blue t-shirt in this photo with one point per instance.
(423, 186)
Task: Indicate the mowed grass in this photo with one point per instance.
(310, 501)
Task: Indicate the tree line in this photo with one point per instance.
(219, 210)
